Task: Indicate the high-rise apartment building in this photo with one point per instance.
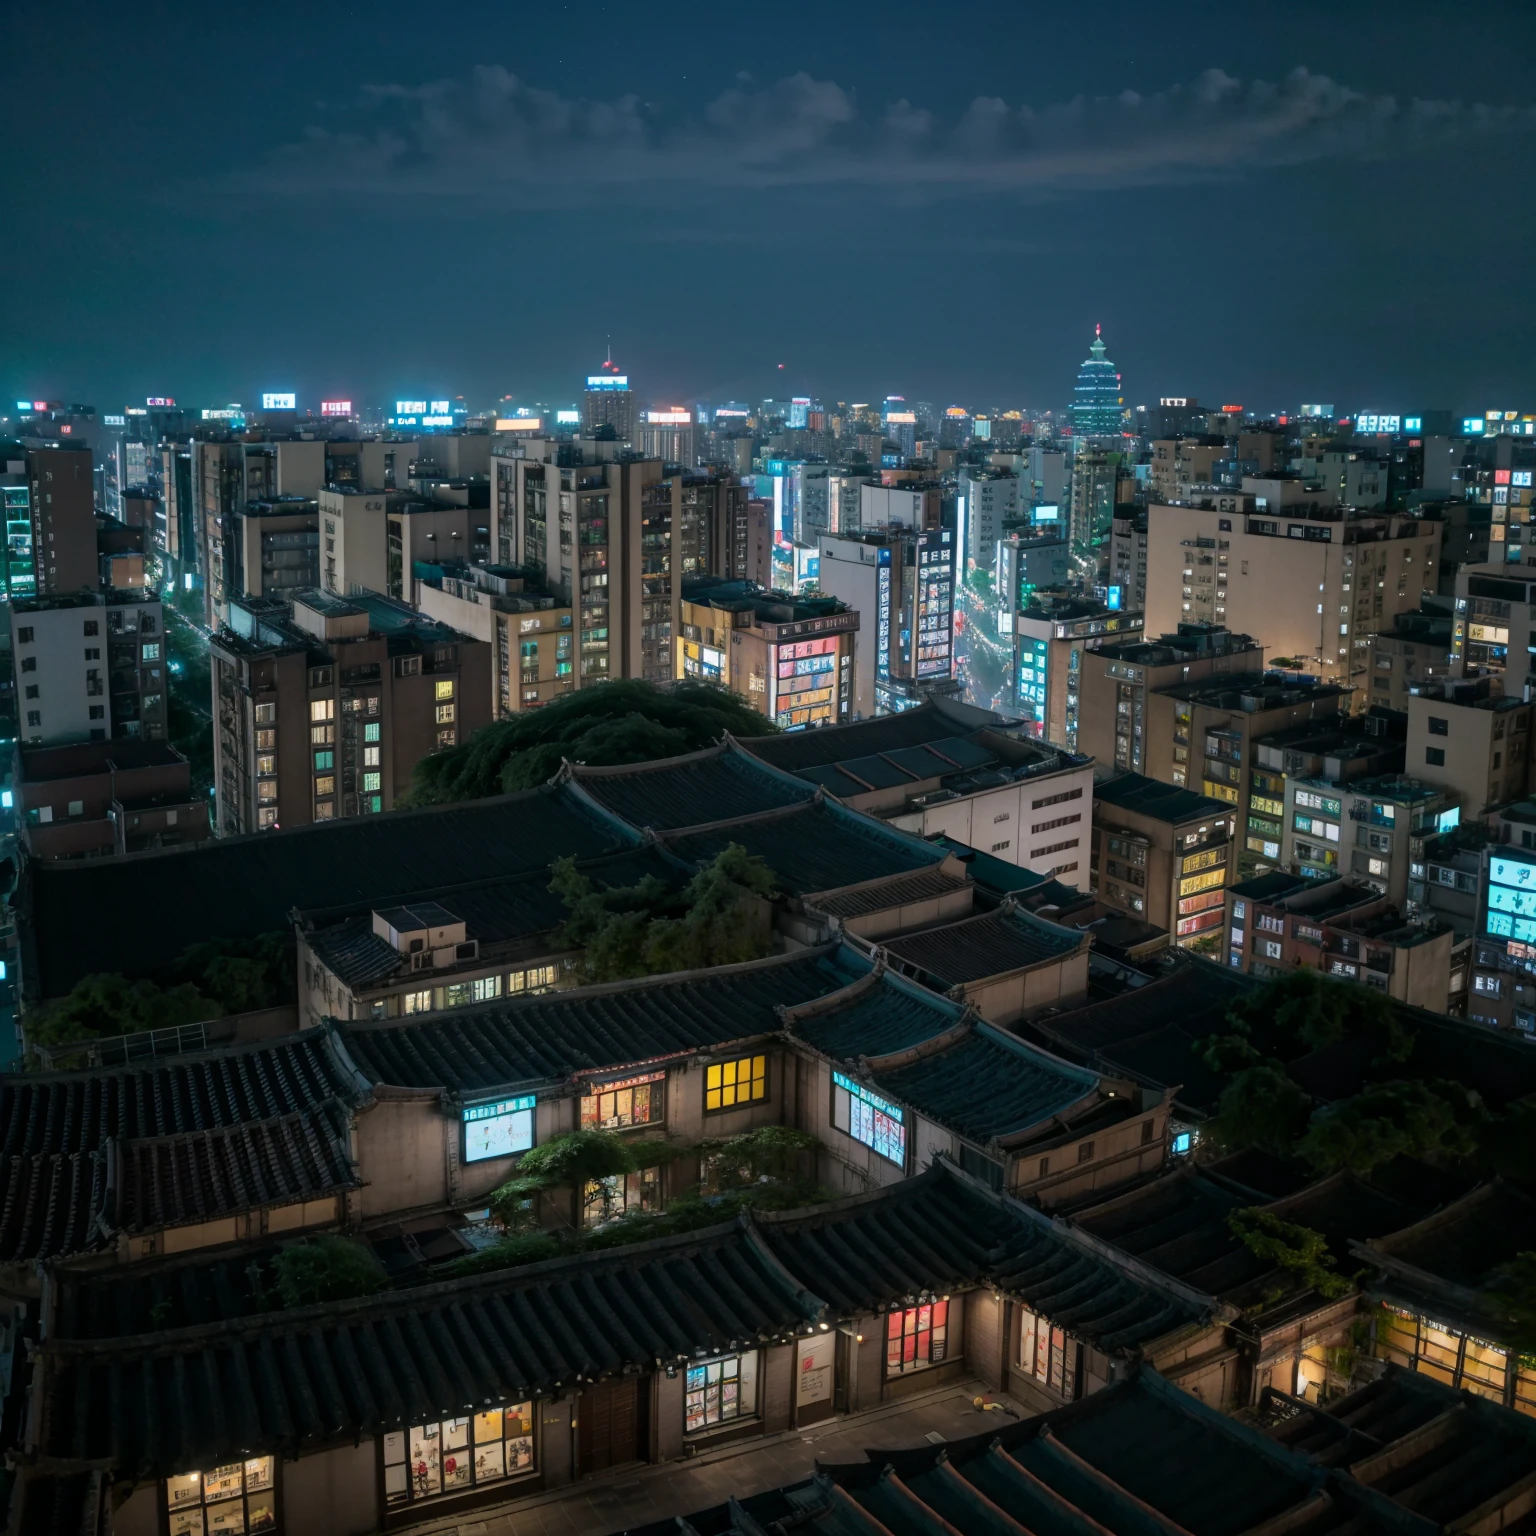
(62, 514)
(276, 547)
(1467, 736)
(528, 628)
(901, 584)
(89, 666)
(609, 402)
(323, 707)
(613, 536)
(1312, 586)
(792, 660)
(668, 434)
(1099, 487)
(985, 501)
(1051, 634)
(370, 540)
(1120, 677)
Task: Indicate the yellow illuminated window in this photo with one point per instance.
(445, 689)
(1204, 882)
(729, 1083)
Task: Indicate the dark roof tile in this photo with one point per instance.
(989, 944)
(691, 791)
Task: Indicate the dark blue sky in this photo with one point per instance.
(1320, 200)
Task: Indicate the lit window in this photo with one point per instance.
(1048, 1353)
(445, 714)
(498, 1129)
(452, 1454)
(325, 785)
(236, 1497)
(325, 810)
(371, 731)
(266, 789)
(729, 1083)
(869, 1119)
(720, 1391)
(322, 709)
(916, 1338)
(371, 782)
(444, 690)
(630, 1101)
(266, 714)
(324, 760)
(151, 651)
(370, 757)
(537, 978)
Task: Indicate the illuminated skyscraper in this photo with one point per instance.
(609, 402)
(1097, 405)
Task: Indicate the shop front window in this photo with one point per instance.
(604, 1199)
(225, 1500)
(917, 1338)
(452, 1455)
(498, 1129)
(631, 1101)
(720, 1392)
(1048, 1353)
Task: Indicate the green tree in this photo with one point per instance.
(241, 975)
(1514, 1293)
(1261, 1107)
(1300, 1251)
(107, 1005)
(1306, 1011)
(648, 929)
(326, 1268)
(624, 721)
(1436, 1121)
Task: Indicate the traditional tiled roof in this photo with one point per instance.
(505, 915)
(820, 847)
(838, 744)
(170, 1180)
(1150, 1033)
(136, 915)
(878, 1015)
(989, 1086)
(1142, 1458)
(1178, 1224)
(942, 1232)
(179, 1397)
(80, 1111)
(883, 895)
(692, 791)
(989, 944)
(51, 1204)
(206, 1385)
(550, 1037)
(179, 1139)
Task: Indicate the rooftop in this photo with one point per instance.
(532, 1331)
(1152, 797)
(932, 721)
(1404, 1454)
(717, 784)
(80, 759)
(989, 944)
(142, 911)
(814, 847)
(558, 1035)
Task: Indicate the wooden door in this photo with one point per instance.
(607, 1425)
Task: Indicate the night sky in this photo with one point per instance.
(1262, 204)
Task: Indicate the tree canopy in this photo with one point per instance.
(649, 929)
(623, 721)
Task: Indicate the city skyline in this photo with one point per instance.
(842, 193)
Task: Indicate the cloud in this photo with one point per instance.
(495, 135)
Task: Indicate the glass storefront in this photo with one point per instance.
(453, 1455)
(719, 1392)
(223, 1501)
